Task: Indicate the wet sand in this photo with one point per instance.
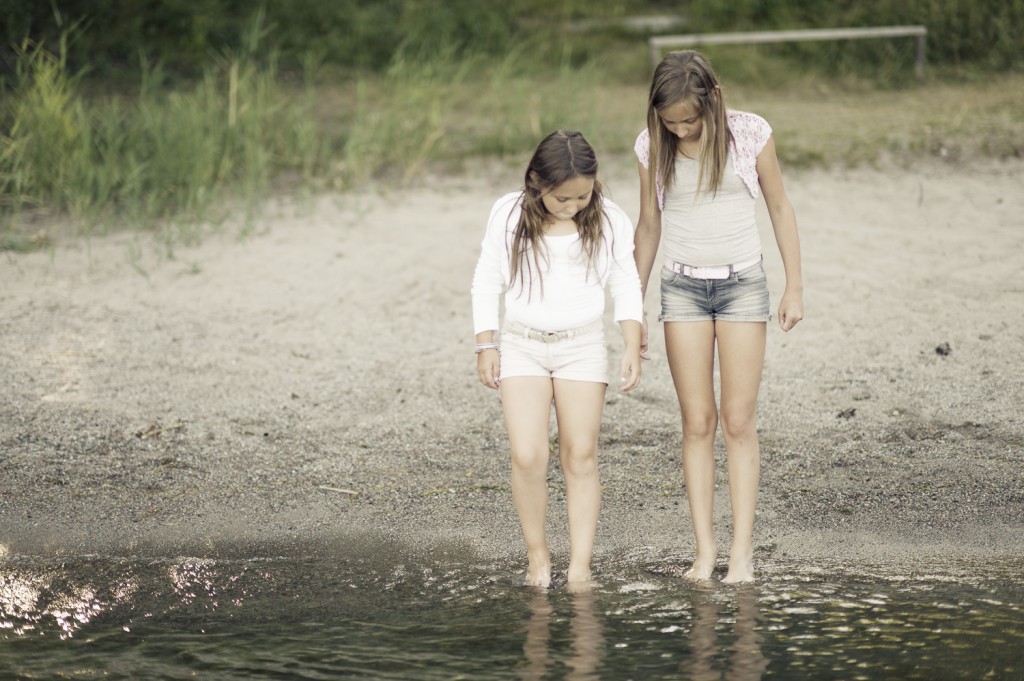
(314, 382)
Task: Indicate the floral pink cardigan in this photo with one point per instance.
(750, 133)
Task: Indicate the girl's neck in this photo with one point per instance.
(559, 227)
(688, 149)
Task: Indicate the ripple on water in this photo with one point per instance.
(378, 617)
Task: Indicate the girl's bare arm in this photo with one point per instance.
(648, 230)
(783, 217)
(645, 242)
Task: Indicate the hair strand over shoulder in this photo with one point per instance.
(686, 77)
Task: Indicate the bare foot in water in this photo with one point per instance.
(578, 581)
(701, 569)
(538, 576)
(741, 568)
(580, 586)
(578, 572)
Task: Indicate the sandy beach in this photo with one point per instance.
(313, 383)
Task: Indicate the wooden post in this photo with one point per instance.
(922, 38)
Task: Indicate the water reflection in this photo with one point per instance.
(538, 638)
(735, 654)
(586, 638)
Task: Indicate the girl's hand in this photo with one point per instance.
(791, 309)
(644, 354)
(631, 371)
(488, 367)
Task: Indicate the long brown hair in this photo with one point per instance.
(686, 77)
(561, 156)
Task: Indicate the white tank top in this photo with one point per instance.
(708, 230)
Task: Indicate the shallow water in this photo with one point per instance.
(382, 615)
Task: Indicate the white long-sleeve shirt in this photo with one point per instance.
(571, 296)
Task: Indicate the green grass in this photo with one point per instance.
(837, 124)
(156, 155)
(165, 159)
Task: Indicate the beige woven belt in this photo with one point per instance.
(517, 329)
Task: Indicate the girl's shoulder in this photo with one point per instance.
(642, 146)
(508, 200)
(612, 209)
(745, 125)
(642, 139)
(505, 205)
(618, 219)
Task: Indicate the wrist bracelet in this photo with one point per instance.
(480, 347)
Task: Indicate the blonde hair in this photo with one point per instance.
(560, 157)
(686, 77)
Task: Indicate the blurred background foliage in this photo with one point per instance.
(157, 112)
(116, 35)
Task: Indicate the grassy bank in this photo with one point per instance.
(157, 156)
(153, 153)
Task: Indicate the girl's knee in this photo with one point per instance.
(578, 459)
(530, 462)
(739, 424)
(699, 426)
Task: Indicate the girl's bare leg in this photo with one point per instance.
(578, 408)
(741, 358)
(691, 357)
(526, 401)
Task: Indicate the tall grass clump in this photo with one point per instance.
(398, 123)
(44, 127)
(162, 154)
(512, 108)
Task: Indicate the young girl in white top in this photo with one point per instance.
(551, 249)
(702, 167)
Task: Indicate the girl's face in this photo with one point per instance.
(568, 198)
(682, 120)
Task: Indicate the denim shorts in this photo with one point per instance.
(743, 297)
(580, 358)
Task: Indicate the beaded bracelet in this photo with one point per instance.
(480, 347)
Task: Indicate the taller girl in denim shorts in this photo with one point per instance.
(702, 167)
(550, 249)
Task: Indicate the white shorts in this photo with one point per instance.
(580, 358)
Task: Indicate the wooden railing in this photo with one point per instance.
(657, 44)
